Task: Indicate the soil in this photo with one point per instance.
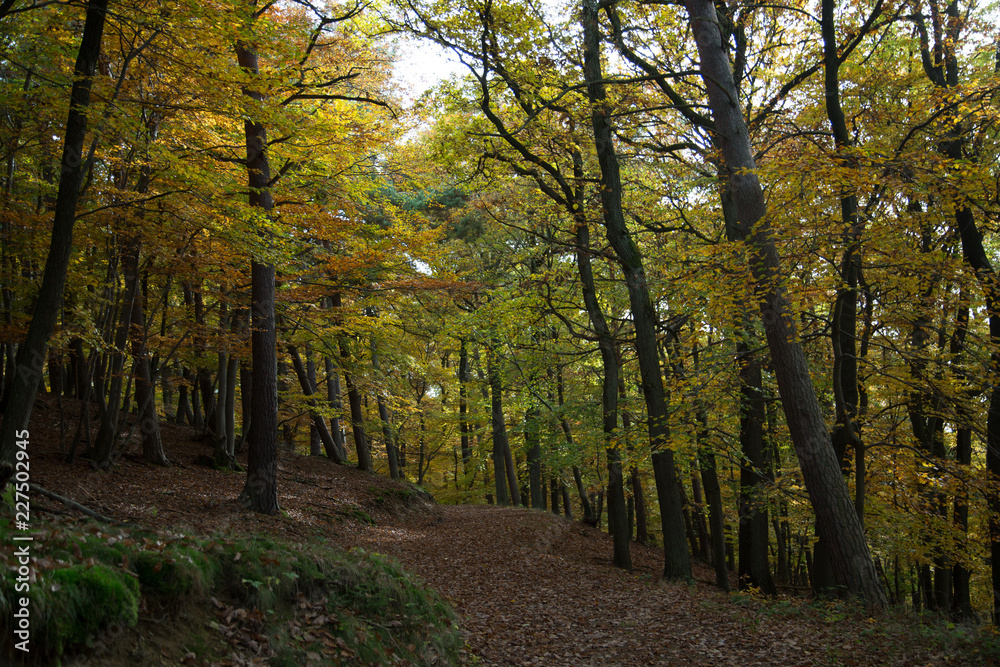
(531, 588)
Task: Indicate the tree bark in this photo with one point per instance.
(309, 390)
(260, 493)
(333, 396)
(30, 358)
(533, 448)
(677, 561)
(507, 492)
(836, 515)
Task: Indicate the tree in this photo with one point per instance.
(852, 563)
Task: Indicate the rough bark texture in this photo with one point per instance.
(852, 563)
(309, 391)
(506, 491)
(260, 492)
(677, 561)
(24, 377)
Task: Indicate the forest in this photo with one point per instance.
(717, 278)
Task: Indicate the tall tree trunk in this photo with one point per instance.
(852, 562)
(383, 413)
(309, 391)
(638, 495)
(463, 404)
(754, 570)
(30, 356)
(677, 561)
(260, 493)
(533, 448)
(588, 510)
(941, 67)
(716, 514)
(507, 492)
(145, 386)
(609, 382)
(223, 458)
(333, 396)
(107, 432)
(357, 413)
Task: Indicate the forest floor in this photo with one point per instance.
(530, 588)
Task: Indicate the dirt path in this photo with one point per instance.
(531, 588)
(539, 590)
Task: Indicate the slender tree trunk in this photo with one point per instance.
(383, 413)
(617, 518)
(533, 448)
(246, 403)
(588, 510)
(638, 495)
(852, 562)
(357, 413)
(145, 386)
(260, 493)
(31, 354)
(753, 532)
(107, 432)
(463, 404)
(501, 447)
(222, 456)
(677, 561)
(333, 396)
(716, 514)
(309, 390)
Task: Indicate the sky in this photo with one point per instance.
(423, 64)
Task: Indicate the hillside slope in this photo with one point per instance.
(530, 588)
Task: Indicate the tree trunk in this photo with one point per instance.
(501, 447)
(383, 413)
(333, 395)
(533, 448)
(222, 456)
(677, 561)
(754, 570)
(852, 562)
(260, 493)
(463, 404)
(107, 432)
(145, 387)
(609, 381)
(309, 391)
(30, 357)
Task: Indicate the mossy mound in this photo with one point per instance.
(90, 582)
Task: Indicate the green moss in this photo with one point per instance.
(75, 603)
(91, 584)
(174, 573)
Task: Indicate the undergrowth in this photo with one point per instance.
(90, 580)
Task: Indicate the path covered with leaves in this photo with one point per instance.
(534, 589)
(531, 588)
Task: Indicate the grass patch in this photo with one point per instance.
(90, 581)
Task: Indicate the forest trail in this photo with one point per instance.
(536, 589)
(530, 588)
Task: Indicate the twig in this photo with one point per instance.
(72, 504)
